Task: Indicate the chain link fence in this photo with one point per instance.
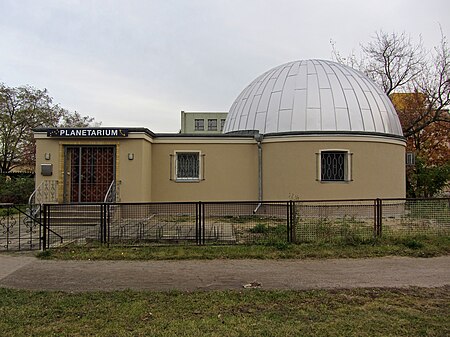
(353, 221)
(221, 223)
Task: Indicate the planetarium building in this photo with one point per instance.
(309, 129)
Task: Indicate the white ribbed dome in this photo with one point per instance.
(313, 95)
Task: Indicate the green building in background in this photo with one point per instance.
(202, 122)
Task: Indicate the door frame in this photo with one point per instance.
(67, 177)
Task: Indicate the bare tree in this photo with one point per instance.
(417, 81)
(398, 64)
(393, 60)
(434, 83)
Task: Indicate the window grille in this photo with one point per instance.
(199, 124)
(188, 165)
(212, 124)
(333, 166)
(222, 124)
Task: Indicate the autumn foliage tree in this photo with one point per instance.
(21, 110)
(417, 81)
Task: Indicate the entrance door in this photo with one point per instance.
(88, 172)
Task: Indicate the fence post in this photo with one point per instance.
(197, 222)
(44, 228)
(375, 217)
(101, 223)
(292, 217)
(289, 221)
(203, 222)
(380, 217)
(104, 222)
(105, 216)
(108, 221)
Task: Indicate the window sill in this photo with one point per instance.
(334, 181)
(193, 180)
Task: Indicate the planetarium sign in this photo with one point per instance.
(91, 132)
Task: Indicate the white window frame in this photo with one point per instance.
(212, 127)
(199, 127)
(348, 166)
(200, 166)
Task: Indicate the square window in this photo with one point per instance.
(199, 124)
(334, 166)
(188, 166)
(212, 124)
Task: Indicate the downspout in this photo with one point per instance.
(259, 138)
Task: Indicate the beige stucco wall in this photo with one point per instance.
(52, 147)
(133, 176)
(230, 167)
(290, 168)
(230, 171)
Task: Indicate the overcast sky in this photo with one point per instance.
(140, 62)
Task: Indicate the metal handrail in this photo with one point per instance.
(34, 193)
(45, 192)
(109, 191)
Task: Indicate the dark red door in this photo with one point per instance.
(90, 170)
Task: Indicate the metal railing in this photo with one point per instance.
(203, 223)
(113, 192)
(19, 230)
(46, 192)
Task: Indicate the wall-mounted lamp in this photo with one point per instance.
(47, 156)
(130, 156)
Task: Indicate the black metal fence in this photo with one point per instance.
(203, 223)
(20, 228)
(197, 223)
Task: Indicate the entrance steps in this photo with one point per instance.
(79, 223)
(74, 215)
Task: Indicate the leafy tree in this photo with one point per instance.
(433, 141)
(417, 81)
(425, 180)
(21, 110)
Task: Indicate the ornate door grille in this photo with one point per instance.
(89, 171)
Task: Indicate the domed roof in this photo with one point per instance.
(313, 95)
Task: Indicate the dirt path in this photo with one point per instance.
(25, 272)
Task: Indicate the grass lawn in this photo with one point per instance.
(360, 312)
(418, 246)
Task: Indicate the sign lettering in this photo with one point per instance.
(83, 133)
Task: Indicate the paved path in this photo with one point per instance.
(26, 272)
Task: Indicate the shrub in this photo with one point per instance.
(259, 228)
(16, 190)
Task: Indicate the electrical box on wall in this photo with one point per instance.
(46, 169)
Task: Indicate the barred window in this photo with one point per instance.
(334, 166)
(199, 124)
(212, 124)
(188, 165)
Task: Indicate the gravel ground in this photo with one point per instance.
(27, 272)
